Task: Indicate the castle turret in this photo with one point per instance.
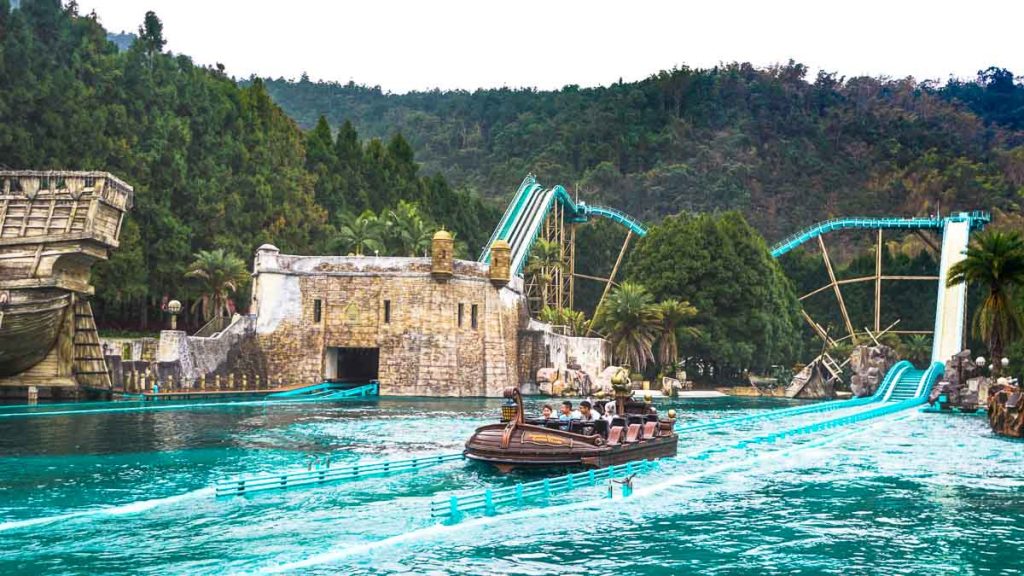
(441, 255)
(501, 256)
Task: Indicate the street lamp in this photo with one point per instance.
(980, 361)
(174, 307)
(1005, 362)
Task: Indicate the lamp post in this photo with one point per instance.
(174, 307)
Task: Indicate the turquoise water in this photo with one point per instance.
(128, 493)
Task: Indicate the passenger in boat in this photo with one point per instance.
(565, 412)
(587, 414)
(609, 411)
(547, 412)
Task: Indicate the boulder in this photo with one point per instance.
(869, 365)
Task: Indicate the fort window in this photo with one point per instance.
(462, 310)
(317, 310)
(387, 311)
(472, 316)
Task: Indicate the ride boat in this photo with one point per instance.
(635, 432)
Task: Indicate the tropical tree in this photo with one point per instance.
(917, 348)
(674, 316)
(407, 231)
(995, 261)
(219, 274)
(574, 321)
(631, 322)
(545, 261)
(358, 233)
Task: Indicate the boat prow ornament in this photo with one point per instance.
(633, 432)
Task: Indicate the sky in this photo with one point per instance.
(409, 45)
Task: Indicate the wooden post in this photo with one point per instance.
(245, 383)
(839, 293)
(202, 382)
(231, 381)
(878, 283)
(611, 277)
(572, 266)
(170, 382)
(216, 381)
(257, 385)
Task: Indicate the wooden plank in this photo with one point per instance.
(3, 215)
(839, 293)
(615, 269)
(49, 214)
(878, 284)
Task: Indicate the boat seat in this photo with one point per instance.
(651, 418)
(650, 429)
(633, 434)
(614, 435)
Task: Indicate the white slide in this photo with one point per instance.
(949, 308)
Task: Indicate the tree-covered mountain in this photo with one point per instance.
(214, 165)
(782, 149)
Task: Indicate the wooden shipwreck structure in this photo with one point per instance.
(53, 226)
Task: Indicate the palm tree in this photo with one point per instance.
(219, 274)
(674, 315)
(545, 261)
(995, 260)
(408, 230)
(574, 321)
(631, 322)
(358, 233)
(917, 348)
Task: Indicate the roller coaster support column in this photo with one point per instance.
(878, 283)
(615, 270)
(839, 293)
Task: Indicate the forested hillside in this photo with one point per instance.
(214, 165)
(782, 148)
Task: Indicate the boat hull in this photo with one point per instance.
(30, 323)
(532, 446)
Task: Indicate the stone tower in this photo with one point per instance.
(501, 255)
(442, 258)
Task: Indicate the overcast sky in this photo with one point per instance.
(415, 45)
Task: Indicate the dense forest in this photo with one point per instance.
(783, 150)
(323, 167)
(214, 165)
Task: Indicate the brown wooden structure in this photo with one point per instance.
(636, 433)
(53, 226)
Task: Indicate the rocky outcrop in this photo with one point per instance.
(963, 385)
(811, 383)
(869, 365)
(1005, 415)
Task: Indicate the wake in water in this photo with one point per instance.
(591, 505)
(119, 510)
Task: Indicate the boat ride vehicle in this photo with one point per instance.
(635, 432)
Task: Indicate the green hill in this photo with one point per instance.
(783, 148)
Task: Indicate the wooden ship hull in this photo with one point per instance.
(517, 443)
(54, 225)
(532, 446)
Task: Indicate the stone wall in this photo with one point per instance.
(308, 306)
(539, 347)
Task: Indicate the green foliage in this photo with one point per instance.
(783, 148)
(218, 274)
(674, 316)
(213, 164)
(995, 261)
(917, 348)
(574, 322)
(746, 309)
(631, 321)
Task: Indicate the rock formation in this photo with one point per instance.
(869, 365)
